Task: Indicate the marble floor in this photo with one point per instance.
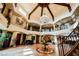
(25, 50)
(17, 51)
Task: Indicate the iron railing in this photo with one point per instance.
(65, 43)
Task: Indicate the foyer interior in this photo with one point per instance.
(39, 29)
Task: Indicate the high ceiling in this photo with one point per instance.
(50, 11)
(56, 10)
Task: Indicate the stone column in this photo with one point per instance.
(31, 28)
(21, 39)
(13, 38)
(40, 28)
(27, 26)
(56, 44)
(51, 29)
(40, 35)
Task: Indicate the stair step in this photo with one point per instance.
(74, 54)
(70, 42)
(78, 47)
(77, 51)
(28, 53)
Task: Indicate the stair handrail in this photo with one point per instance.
(72, 49)
(74, 46)
(76, 43)
(73, 30)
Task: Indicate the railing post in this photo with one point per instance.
(62, 46)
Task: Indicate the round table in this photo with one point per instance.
(46, 49)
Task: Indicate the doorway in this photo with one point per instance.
(24, 38)
(37, 39)
(18, 39)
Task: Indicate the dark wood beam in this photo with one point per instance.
(8, 17)
(4, 5)
(50, 12)
(41, 10)
(65, 4)
(32, 11)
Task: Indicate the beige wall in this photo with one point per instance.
(13, 17)
(29, 37)
(3, 20)
(13, 21)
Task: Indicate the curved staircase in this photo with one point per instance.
(74, 50)
(69, 45)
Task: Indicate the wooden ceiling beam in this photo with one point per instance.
(41, 10)
(4, 5)
(65, 4)
(42, 5)
(50, 12)
(32, 11)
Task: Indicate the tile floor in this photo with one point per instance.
(26, 50)
(18, 51)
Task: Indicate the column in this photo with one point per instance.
(40, 28)
(51, 29)
(13, 38)
(31, 28)
(21, 39)
(56, 44)
(27, 26)
(40, 35)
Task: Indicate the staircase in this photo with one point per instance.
(74, 50)
(69, 45)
